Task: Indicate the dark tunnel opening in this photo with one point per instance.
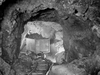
(45, 15)
(48, 14)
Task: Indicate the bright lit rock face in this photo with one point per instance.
(47, 39)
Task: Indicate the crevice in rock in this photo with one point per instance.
(44, 15)
(95, 72)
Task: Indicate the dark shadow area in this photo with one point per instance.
(45, 15)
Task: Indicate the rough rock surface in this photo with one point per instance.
(80, 20)
(1, 1)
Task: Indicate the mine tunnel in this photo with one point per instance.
(49, 37)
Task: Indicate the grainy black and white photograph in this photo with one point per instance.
(49, 37)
